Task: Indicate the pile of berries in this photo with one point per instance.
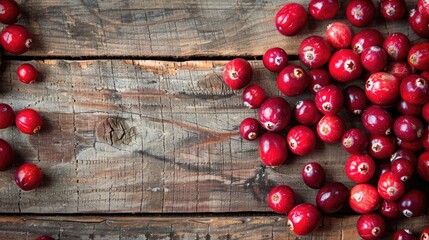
(390, 148)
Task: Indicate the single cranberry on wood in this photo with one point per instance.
(7, 116)
(237, 73)
(16, 39)
(418, 56)
(291, 19)
(397, 46)
(365, 39)
(274, 114)
(355, 99)
(355, 141)
(318, 78)
(10, 11)
(339, 35)
(301, 140)
(272, 149)
(323, 9)
(306, 112)
(425, 112)
(371, 226)
(250, 129)
(392, 10)
(332, 197)
(303, 219)
(329, 99)
(313, 175)
(281, 199)
(360, 168)
(275, 59)
(345, 66)
(28, 176)
(331, 128)
(360, 13)
(28, 121)
(253, 96)
(292, 80)
(314, 52)
(27, 73)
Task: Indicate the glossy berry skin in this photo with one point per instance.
(399, 69)
(365, 39)
(382, 88)
(7, 155)
(404, 234)
(28, 176)
(28, 121)
(364, 198)
(303, 219)
(360, 13)
(425, 74)
(381, 147)
(323, 9)
(425, 139)
(7, 116)
(332, 197)
(413, 203)
(250, 129)
(392, 10)
(27, 73)
(329, 99)
(291, 19)
(237, 73)
(374, 59)
(425, 234)
(390, 187)
(354, 141)
(253, 96)
(404, 154)
(418, 56)
(331, 128)
(423, 7)
(419, 23)
(313, 175)
(318, 78)
(371, 226)
(390, 209)
(408, 128)
(314, 52)
(292, 80)
(423, 166)
(274, 114)
(355, 99)
(402, 169)
(45, 238)
(306, 113)
(339, 35)
(275, 59)
(16, 39)
(397, 46)
(301, 140)
(345, 66)
(9, 11)
(377, 120)
(413, 146)
(406, 108)
(281, 199)
(414, 89)
(360, 168)
(425, 112)
(272, 149)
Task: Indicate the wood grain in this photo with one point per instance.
(169, 29)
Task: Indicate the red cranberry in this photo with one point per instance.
(250, 129)
(332, 197)
(9, 11)
(381, 147)
(413, 203)
(306, 113)
(413, 146)
(301, 140)
(402, 169)
(28, 176)
(28, 121)
(374, 59)
(404, 234)
(408, 128)
(425, 112)
(355, 141)
(281, 199)
(313, 175)
(303, 219)
(406, 108)
(360, 13)
(7, 116)
(323, 9)
(423, 166)
(253, 96)
(364, 198)
(292, 80)
(423, 7)
(275, 59)
(397, 46)
(377, 120)
(414, 89)
(425, 74)
(27, 73)
(339, 35)
(418, 56)
(399, 69)
(404, 154)
(390, 187)
(345, 66)
(291, 19)
(419, 23)
(318, 78)
(6, 155)
(329, 99)
(355, 99)
(390, 209)
(425, 234)
(272, 149)
(15, 39)
(365, 39)
(331, 128)
(360, 168)
(392, 10)
(237, 73)
(274, 114)
(382, 88)
(371, 226)
(314, 52)
(45, 238)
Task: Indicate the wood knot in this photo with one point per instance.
(115, 132)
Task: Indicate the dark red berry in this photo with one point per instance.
(292, 80)
(365, 39)
(355, 141)
(403, 169)
(314, 52)
(392, 10)
(28, 121)
(27, 73)
(408, 128)
(360, 13)
(303, 219)
(237, 73)
(274, 114)
(16, 39)
(345, 66)
(381, 147)
(332, 197)
(404, 154)
(329, 99)
(414, 89)
(404, 234)
(419, 23)
(406, 108)
(272, 149)
(291, 19)
(377, 120)
(9, 11)
(371, 226)
(374, 59)
(390, 209)
(397, 46)
(281, 199)
(313, 175)
(301, 140)
(318, 78)
(323, 9)
(253, 96)
(306, 113)
(7, 155)
(250, 129)
(28, 176)
(355, 99)
(45, 238)
(275, 59)
(413, 203)
(418, 56)
(331, 128)
(7, 116)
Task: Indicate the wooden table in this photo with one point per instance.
(141, 134)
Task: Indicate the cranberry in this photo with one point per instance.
(303, 219)
(45, 238)
(323, 9)
(413, 146)
(397, 46)
(404, 234)
(281, 199)
(250, 129)
(331, 128)
(423, 7)
(345, 66)
(392, 10)
(355, 141)
(306, 113)
(275, 59)
(374, 59)
(406, 108)
(6, 155)
(382, 88)
(414, 89)
(381, 147)
(371, 226)
(390, 209)
(28, 176)
(291, 19)
(329, 99)
(318, 78)
(292, 80)
(419, 23)
(28, 121)
(272, 149)
(9, 11)
(408, 128)
(301, 140)
(425, 112)
(15, 39)
(402, 169)
(237, 73)
(423, 166)
(390, 187)
(418, 56)
(413, 203)
(313, 175)
(339, 35)
(377, 120)
(314, 52)
(364, 198)
(355, 99)
(332, 197)
(274, 114)
(425, 234)
(27, 73)
(7, 116)
(360, 13)
(365, 39)
(399, 69)
(404, 154)
(360, 168)
(253, 96)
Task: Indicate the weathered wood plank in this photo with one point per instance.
(165, 28)
(186, 227)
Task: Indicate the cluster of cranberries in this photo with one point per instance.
(390, 148)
